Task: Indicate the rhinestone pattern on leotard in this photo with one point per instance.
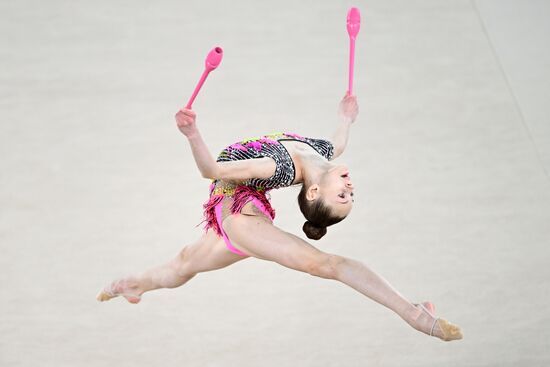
(270, 146)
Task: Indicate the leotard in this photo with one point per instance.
(231, 197)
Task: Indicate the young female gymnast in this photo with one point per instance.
(239, 217)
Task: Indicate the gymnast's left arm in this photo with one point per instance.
(347, 113)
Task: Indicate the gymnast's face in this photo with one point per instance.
(336, 190)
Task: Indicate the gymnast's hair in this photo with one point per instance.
(318, 215)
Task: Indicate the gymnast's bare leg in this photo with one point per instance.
(258, 237)
(207, 253)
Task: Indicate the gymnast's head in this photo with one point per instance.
(325, 199)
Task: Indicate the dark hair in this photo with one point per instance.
(318, 215)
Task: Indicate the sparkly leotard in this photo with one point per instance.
(231, 198)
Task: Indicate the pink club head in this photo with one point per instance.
(354, 22)
(214, 58)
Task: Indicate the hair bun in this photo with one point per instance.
(312, 231)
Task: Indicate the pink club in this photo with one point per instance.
(353, 25)
(212, 61)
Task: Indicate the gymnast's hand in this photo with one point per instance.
(185, 119)
(348, 108)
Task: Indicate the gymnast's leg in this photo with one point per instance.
(256, 236)
(206, 254)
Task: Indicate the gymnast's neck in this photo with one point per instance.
(310, 168)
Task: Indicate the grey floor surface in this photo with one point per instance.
(450, 157)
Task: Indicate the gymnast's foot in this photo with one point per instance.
(425, 321)
(126, 287)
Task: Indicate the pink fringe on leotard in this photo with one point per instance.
(243, 194)
(210, 212)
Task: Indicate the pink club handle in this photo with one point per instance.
(213, 59)
(353, 26)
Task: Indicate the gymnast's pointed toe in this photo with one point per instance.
(450, 331)
(103, 296)
(440, 328)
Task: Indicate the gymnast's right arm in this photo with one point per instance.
(235, 171)
(347, 113)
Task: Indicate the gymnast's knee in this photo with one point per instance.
(182, 263)
(327, 266)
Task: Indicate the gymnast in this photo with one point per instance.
(239, 218)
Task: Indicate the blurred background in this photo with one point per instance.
(450, 157)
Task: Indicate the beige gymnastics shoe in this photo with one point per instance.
(449, 331)
(116, 289)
